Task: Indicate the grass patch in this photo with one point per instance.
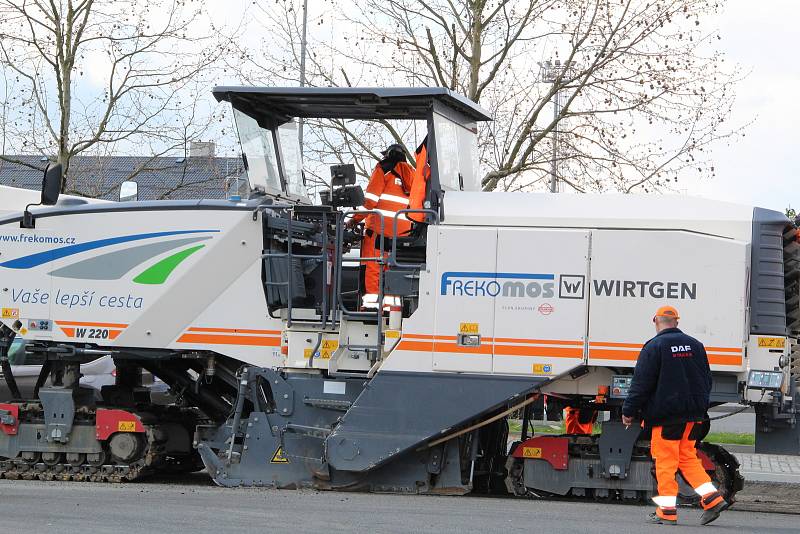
(551, 427)
(557, 427)
(731, 438)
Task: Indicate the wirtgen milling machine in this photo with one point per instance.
(249, 311)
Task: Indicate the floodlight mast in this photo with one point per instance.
(303, 48)
(552, 72)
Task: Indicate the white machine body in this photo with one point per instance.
(177, 279)
(528, 284)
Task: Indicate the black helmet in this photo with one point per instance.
(395, 149)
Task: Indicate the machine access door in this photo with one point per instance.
(541, 306)
(464, 312)
(634, 272)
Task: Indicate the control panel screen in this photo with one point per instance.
(620, 385)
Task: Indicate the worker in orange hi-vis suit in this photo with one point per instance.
(387, 193)
(580, 420)
(419, 188)
(670, 391)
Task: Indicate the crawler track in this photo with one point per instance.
(725, 476)
(154, 456)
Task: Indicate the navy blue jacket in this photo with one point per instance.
(671, 382)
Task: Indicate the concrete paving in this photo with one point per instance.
(147, 508)
(769, 467)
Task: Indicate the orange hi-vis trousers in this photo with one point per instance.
(674, 451)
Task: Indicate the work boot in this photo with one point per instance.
(712, 513)
(664, 516)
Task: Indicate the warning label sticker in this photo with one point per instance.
(278, 457)
(126, 426)
(531, 452)
(10, 313)
(772, 342)
(469, 328)
(326, 350)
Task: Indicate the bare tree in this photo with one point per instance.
(94, 76)
(643, 92)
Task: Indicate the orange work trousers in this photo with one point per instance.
(673, 452)
(372, 270)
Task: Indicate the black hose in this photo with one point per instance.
(8, 375)
(214, 406)
(42, 378)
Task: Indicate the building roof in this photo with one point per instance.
(160, 178)
(281, 104)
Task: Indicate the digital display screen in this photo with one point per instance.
(765, 379)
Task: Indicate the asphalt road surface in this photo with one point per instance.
(58, 507)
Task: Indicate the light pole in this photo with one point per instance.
(551, 72)
(303, 46)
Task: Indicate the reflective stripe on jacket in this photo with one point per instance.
(387, 193)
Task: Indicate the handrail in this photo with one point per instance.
(290, 256)
(380, 260)
(333, 306)
(393, 255)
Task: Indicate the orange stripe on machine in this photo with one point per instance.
(548, 352)
(234, 331)
(218, 339)
(633, 355)
(496, 346)
(639, 346)
(537, 341)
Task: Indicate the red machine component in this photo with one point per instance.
(112, 421)
(554, 450)
(10, 430)
(708, 465)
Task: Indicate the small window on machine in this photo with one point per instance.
(456, 153)
(258, 149)
(291, 159)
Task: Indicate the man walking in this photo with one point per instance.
(670, 392)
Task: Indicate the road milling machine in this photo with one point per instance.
(249, 311)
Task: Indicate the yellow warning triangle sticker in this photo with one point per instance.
(278, 457)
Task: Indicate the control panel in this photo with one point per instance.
(620, 385)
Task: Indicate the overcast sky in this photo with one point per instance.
(762, 168)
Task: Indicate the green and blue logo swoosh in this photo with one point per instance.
(114, 265)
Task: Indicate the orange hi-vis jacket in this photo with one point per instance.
(387, 193)
(422, 174)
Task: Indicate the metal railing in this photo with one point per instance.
(333, 307)
(290, 256)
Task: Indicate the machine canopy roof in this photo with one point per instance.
(276, 105)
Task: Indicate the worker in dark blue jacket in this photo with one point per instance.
(670, 393)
